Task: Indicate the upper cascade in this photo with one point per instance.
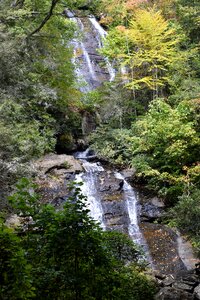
(88, 62)
(101, 35)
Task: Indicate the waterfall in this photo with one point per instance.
(133, 227)
(102, 34)
(131, 202)
(89, 187)
(80, 47)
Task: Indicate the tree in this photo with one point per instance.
(147, 48)
(72, 258)
(15, 272)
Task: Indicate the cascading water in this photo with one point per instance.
(101, 34)
(133, 227)
(131, 202)
(81, 52)
(89, 187)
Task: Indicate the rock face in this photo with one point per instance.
(162, 242)
(114, 207)
(53, 174)
(152, 208)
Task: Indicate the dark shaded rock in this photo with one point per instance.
(183, 286)
(150, 212)
(65, 143)
(88, 122)
(191, 277)
(197, 268)
(197, 292)
(170, 293)
(159, 275)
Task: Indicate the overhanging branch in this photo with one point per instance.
(48, 16)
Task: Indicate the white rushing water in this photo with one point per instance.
(133, 228)
(131, 202)
(101, 35)
(80, 48)
(89, 187)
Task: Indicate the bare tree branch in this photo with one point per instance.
(48, 16)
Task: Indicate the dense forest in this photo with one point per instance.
(147, 118)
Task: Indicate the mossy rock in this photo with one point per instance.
(66, 143)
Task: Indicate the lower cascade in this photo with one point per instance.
(91, 179)
(89, 189)
(114, 204)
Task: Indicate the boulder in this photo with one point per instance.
(170, 293)
(54, 161)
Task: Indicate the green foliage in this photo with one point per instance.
(39, 101)
(25, 199)
(15, 272)
(188, 13)
(186, 215)
(163, 145)
(112, 144)
(69, 255)
(147, 48)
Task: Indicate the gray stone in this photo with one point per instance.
(157, 202)
(128, 173)
(170, 293)
(168, 281)
(54, 161)
(197, 292)
(183, 286)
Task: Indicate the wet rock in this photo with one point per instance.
(170, 293)
(115, 213)
(150, 212)
(110, 184)
(197, 292)
(162, 243)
